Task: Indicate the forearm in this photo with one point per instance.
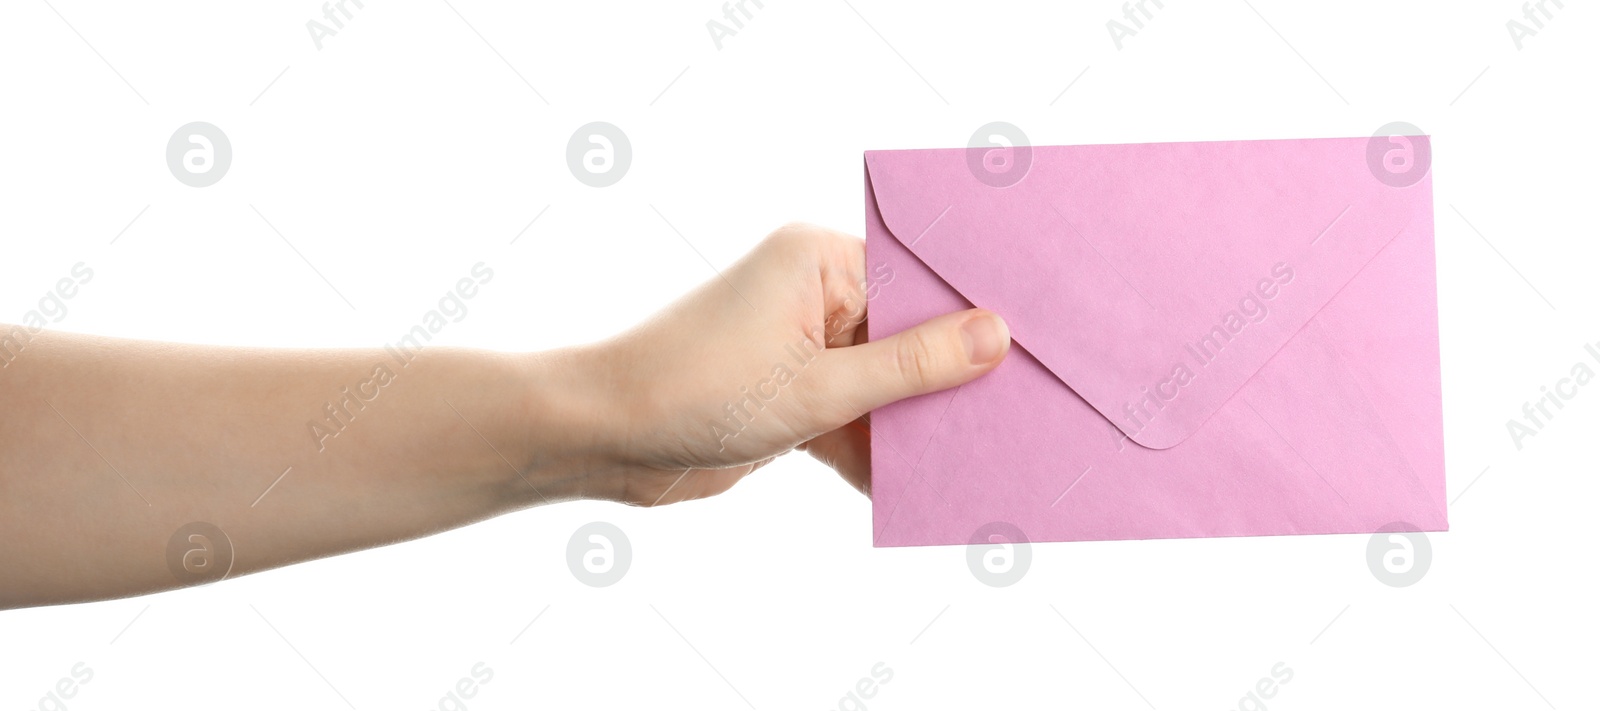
(108, 447)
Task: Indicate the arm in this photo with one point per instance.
(109, 447)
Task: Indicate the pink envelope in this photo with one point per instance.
(1210, 339)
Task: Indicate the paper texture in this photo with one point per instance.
(1211, 339)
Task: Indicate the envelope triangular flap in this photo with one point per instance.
(1152, 279)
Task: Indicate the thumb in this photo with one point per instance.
(940, 353)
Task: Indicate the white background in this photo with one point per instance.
(408, 148)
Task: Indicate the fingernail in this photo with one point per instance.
(985, 337)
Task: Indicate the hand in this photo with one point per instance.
(770, 356)
(767, 357)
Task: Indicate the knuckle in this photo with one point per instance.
(916, 360)
(792, 235)
(795, 227)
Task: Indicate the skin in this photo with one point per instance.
(108, 446)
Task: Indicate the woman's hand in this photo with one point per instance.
(768, 357)
(289, 455)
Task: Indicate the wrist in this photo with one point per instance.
(568, 426)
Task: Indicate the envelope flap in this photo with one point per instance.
(1152, 279)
